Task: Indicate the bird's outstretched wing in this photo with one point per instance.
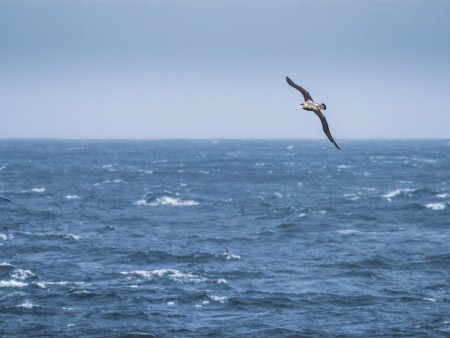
(2, 199)
(302, 90)
(325, 127)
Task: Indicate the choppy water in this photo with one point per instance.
(124, 239)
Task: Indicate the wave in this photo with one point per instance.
(167, 200)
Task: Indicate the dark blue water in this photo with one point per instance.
(128, 239)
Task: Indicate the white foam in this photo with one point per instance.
(445, 195)
(72, 197)
(343, 166)
(171, 274)
(170, 303)
(435, 206)
(301, 215)
(12, 284)
(429, 299)
(166, 200)
(390, 195)
(222, 281)
(22, 274)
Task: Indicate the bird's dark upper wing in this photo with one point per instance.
(305, 94)
(325, 127)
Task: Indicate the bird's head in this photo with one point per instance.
(323, 106)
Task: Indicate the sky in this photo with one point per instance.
(216, 69)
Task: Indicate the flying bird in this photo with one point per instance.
(2, 199)
(310, 105)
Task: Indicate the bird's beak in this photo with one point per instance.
(299, 107)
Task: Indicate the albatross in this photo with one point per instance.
(310, 105)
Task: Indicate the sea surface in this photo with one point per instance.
(224, 238)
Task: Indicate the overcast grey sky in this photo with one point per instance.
(216, 69)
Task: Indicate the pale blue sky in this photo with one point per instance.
(216, 69)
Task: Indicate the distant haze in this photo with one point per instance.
(198, 69)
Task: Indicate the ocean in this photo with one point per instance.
(224, 238)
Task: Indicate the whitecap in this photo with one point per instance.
(166, 200)
(444, 195)
(435, 206)
(120, 181)
(43, 285)
(72, 236)
(148, 172)
(348, 232)
(232, 256)
(72, 197)
(219, 299)
(22, 274)
(222, 281)
(301, 215)
(12, 284)
(429, 299)
(351, 197)
(389, 196)
(343, 166)
(423, 160)
(26, 305)
(289, 147)
(38, 190)
(170, 303)
(5, 237)
(171, 274)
